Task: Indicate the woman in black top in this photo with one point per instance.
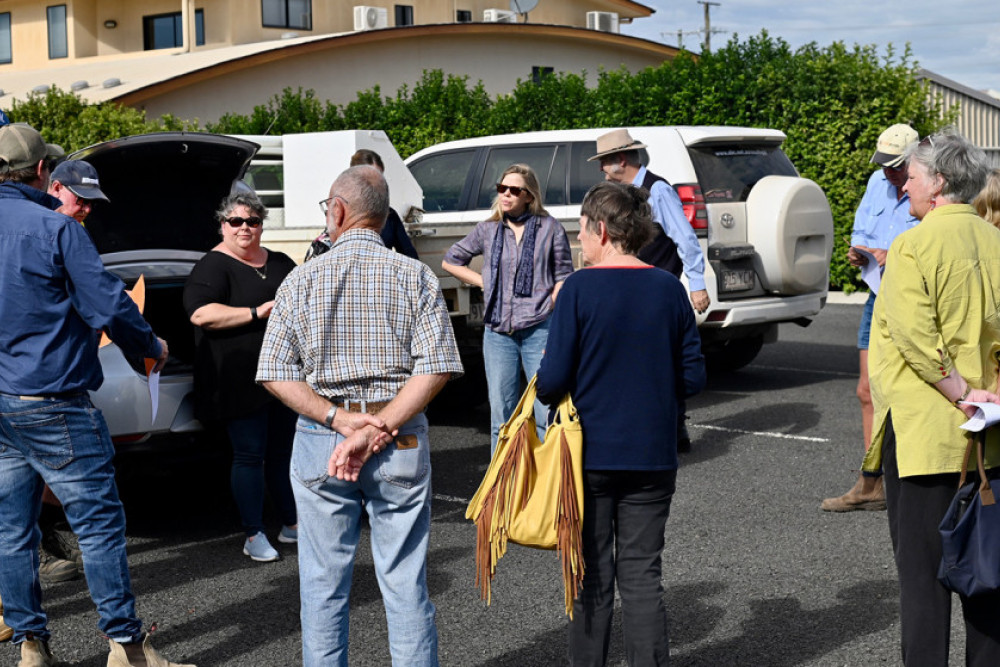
(229, 296)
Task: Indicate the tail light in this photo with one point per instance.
(694, 206)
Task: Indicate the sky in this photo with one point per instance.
(959, 39)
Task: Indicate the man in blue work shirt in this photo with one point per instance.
(55, 299)
(883, 215)
(677, 246)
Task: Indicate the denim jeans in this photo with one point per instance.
(624, 516)
(62, 442)
(262, 451)
(394, 487)
(505, 357)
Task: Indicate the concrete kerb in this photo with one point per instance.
(853, 299)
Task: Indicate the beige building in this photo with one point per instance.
(202, 58)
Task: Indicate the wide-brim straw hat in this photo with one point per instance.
(615, 141)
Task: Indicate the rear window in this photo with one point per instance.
(728, 173)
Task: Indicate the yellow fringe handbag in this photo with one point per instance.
(533, 494)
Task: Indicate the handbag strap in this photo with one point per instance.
(985, 490)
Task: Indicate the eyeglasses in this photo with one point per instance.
(324, 204)
(513, 189)
(252, 221)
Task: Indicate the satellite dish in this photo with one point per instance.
(523, 6)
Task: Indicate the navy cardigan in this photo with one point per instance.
(623, 342)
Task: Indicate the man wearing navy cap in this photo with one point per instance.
(75, 184)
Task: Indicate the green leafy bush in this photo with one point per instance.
(831, 101)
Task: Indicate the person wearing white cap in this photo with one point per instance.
(883, 215)
(75, 184)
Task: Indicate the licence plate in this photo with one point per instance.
(737, 281)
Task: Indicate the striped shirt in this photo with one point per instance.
(357, 322)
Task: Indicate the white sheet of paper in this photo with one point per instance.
(154, 392)
(871, 272)
(987, 414)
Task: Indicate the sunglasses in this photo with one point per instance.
(252, 221)
(513, 189)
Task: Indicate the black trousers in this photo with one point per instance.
(916, 506)
(624, 515)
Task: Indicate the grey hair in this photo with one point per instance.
(963, 167)
(625, 211)
(632, 158)
(365, 189)
(240, 198)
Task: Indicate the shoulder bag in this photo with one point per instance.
(533, 494)
(970, 532)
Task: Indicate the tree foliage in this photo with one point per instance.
(831, 101)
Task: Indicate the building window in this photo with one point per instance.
(166, 31)
(287, 14)
(57, 31)
(5, 53)
(404, 14)
(463, 15)
(537, 73)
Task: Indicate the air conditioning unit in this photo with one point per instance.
(370, 18)
(603, 21)
(499, 16)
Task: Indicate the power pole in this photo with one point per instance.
(708, 23)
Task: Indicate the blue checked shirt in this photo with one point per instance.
(357, 322)
(881, 217)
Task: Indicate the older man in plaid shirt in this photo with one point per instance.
(358, 343)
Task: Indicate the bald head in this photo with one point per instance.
(366, 194)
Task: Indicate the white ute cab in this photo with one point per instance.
(766, 232)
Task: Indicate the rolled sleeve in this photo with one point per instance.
(669, 212)
(911, 317)
(462, 252)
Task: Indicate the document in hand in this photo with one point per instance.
(871, 272)
(987, 414)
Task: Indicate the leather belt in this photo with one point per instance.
(52, 397)
(370, 407)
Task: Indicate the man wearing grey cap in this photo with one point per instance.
(50, 432)
(883, 215)
(75, 184)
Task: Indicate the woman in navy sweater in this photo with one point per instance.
(623, 342)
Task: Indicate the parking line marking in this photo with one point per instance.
(804, 370)
(450, 499)
(766, 434)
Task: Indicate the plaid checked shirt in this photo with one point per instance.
(357, 322)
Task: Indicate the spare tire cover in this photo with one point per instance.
(791, 228)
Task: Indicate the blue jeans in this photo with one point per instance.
(262, 451)
(62, 442)
(395, 489)
(505, 357)
(865, 327)
(624, 515)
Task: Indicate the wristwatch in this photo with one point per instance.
(328, 422)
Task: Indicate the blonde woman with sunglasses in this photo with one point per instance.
(229, 296)
(526, 258)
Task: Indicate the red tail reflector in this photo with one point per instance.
(694, 205)
(717, 316)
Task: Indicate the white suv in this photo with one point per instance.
(766, 232)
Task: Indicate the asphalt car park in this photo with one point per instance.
(755, 574)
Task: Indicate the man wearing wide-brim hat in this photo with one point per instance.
(50, 432)
(883, 215)
(621, 161)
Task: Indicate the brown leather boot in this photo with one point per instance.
(137, 655)
(866, 494)
(6, 632)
